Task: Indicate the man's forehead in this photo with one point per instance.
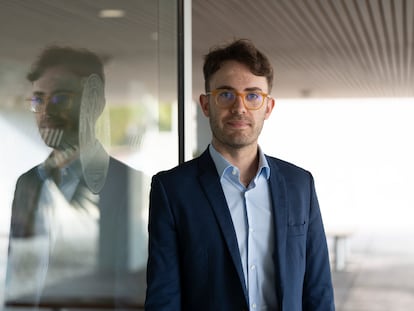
(55, 79)
(239, 74)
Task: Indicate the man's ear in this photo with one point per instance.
(204, 105)
(269, 107)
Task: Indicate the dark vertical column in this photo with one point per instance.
(180, 80)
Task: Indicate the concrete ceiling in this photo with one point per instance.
(319, 48)
(136, 47)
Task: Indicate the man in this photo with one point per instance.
(235, 229)
(71, 214)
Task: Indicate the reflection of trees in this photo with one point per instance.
(130, 122)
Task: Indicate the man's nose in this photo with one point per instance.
(238, 105)
(50, 107)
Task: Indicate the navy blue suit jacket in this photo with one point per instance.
(194, 262)
(113, 258)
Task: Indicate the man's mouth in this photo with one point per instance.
(51, 136)
(238, 123)
(52, 123)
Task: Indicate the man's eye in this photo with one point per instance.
(61, 99)
(38, 100)
(227, 95)
(253, 96)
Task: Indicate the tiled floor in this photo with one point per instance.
(377, 279)
(379, 276)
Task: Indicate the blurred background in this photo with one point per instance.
(344, 109)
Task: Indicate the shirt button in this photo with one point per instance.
(251, 229)
(234, 172)
(254, 306)
(252, 267)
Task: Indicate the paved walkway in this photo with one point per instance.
(380, 278)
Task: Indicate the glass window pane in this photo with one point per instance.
(80, 146)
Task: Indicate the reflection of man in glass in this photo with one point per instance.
(71, 213)
(67, 100)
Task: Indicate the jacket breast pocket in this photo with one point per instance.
(297, 229)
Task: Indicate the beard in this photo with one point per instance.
(65, 148)
(58, 138)
(51, 136)
(233, 138)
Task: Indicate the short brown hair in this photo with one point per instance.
(242, 51)
(81, 62)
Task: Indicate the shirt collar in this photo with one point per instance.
(74, 169)
(222, 164)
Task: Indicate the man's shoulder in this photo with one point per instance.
(115, 164)
(188, 170)
(188, 167)
(287, 168)
(30, 174)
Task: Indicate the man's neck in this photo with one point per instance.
(62, 158)
(246, 159)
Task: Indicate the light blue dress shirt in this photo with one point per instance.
(66, 233)
(251, 211)
(69, 178)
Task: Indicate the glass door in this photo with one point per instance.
(88, 113)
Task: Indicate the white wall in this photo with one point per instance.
(360, 152)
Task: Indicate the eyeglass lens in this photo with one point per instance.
(251, 99)
(59, 101)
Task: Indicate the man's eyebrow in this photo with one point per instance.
(54, 92)
(226, 87)
(254, 88)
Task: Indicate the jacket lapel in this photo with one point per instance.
(211, 185)
(280, 216)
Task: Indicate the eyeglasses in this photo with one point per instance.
(60, 101)
(252, 100)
